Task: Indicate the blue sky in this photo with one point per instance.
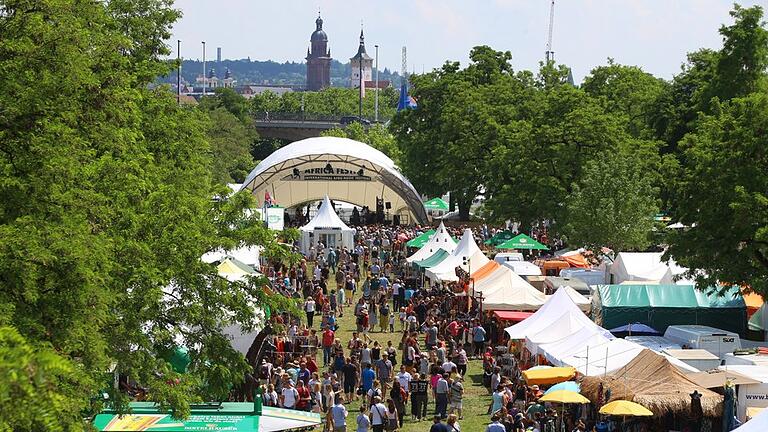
(653, 34)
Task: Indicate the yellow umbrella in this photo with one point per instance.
(564, 396)
(625, 408)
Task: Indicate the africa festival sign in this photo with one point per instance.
(327, 173)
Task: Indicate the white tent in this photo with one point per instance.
(587, 336)
(344, 169)
(557, 304)
(245, 254)
(466, 250)
(328, 228)
(757, 424)
(441, 239)
(562, 329)
(644, 266)
(607, 357)
(505, 290)
(523, 268)
(582, 302)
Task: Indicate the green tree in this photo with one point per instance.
(723, 197)
(231, 141)
(628, 91)
(447, 142)
(231, 101)
(105, 209)
(377, 136)
(612, 204)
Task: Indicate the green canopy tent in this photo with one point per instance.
(435, 259)
(522, 241)
(500, 237)
(221, 416)
(420, 241)
(438, 204)
(661, 306)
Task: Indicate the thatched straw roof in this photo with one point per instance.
(653, 382)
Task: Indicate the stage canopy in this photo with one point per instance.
(344, 169)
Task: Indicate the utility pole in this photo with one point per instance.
(376, 95)
(549, 55)
(205, 78)
(178, 72)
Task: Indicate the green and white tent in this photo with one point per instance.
(522, 241)
(433, 260)
(421, 240)
(225, 416)
(440, 240)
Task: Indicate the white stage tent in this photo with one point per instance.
(344, 169)
(466, 250)
(645, 266)
(328, 228)
(505, 290)
(439, 240)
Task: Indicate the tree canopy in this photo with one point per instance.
(106, 209)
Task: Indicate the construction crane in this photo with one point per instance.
(404, 67)
(549, 54)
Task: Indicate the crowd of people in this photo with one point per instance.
(416, 375)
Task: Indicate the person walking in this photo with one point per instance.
(457, 394)
(452, 423)
(441, 396)
(461, 361)
(338, 414)
(378, 415)
(309, 309)
(327, 341)
(418, 393)
(478, 338)
(384, 372)
(438, 425)
(363, 422)
(392, 416)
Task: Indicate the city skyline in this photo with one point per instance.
(652, 34)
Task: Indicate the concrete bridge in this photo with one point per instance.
(297, 126)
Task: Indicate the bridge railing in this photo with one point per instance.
(304, 116)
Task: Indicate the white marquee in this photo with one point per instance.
(341, 168)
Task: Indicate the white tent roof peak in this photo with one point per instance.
(466, 249)
(441, 239)
(326, 218)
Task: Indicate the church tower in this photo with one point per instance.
(318, 59)
(366, 67)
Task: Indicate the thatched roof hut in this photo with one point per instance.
(653, 382)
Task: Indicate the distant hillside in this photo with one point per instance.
(247, 71)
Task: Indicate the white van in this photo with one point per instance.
(503, 257)
(716, 341)
(702, 360)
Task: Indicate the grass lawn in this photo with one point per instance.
(476, 397)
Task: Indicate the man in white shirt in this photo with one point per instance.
(339, 415)
(448, 366)
(289, 396)
(378, 415)
(404, 378)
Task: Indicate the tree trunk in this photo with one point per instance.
(464, 202)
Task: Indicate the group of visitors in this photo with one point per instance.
(421, 366)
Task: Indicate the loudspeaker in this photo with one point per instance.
(389, 205)
(396, 219)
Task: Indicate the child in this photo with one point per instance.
(392, 323)
(402, 318)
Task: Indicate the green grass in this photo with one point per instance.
(476, 397)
